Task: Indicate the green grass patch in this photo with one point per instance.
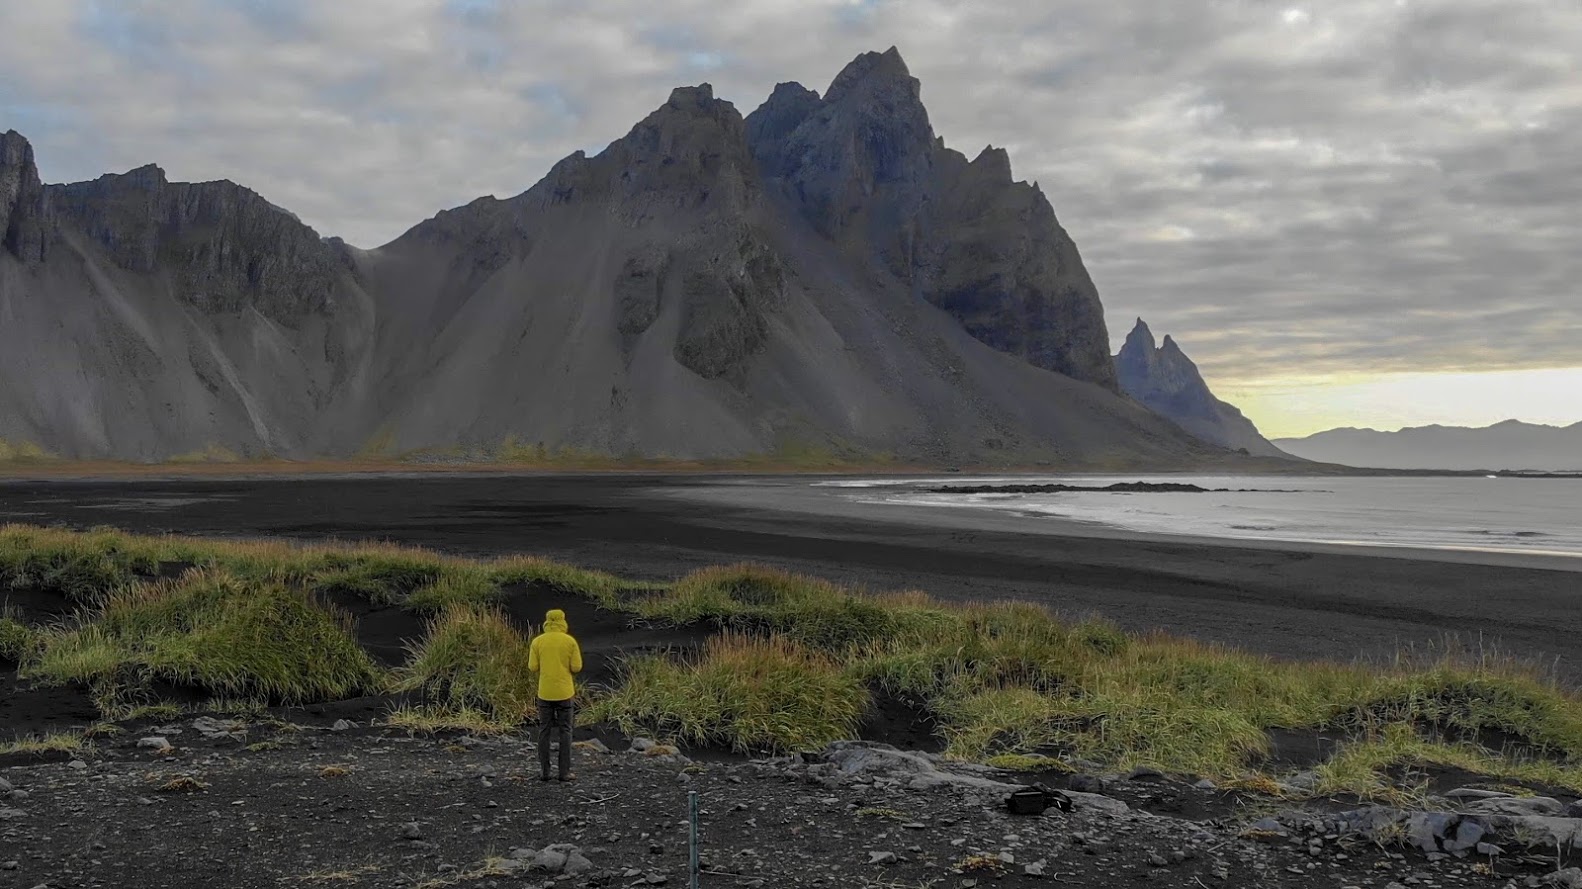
(1004, 681)
(597, 586)
(744, 692)
(473, 659)
(430, 719)
(214, 631)
(17, 639)
(44, 744)
(766, 601)
(462, 585)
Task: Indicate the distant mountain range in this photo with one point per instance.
(1508, 445)
(822, 276)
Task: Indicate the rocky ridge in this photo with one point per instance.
(1165, 379)
(822, 276)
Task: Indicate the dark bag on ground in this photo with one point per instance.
(1035, 799)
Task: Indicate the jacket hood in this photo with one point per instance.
(555, 621)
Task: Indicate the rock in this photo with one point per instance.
(1370, 823)
(77, 764)
(1034, 869)
(549, 861)
(915, 770)
(1468, 835)
(881, 858)
(10, 865)
(593, 745)
(1086, 784)
(5, 786)
(411, 831)
(1145, 773)
(1518, 805)
(153, 744)
(1570, 878)
(1094, 802)
(342, 725)
(558, 858)
(12, 814)
(576, 863)
(640, 745)
(1424, 830)
(219, 730)
(1574, 809)
(1474, 793)
(1206, 784)
(1267, 826)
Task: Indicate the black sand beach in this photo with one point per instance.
(1288, 601)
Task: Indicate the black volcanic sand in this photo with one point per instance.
(1294, 602)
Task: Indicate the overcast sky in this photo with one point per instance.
(1307, 195)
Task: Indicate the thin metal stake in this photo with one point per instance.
(692, 800)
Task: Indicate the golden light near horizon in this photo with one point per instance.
(1289, 407)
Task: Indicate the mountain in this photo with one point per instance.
(1166, 380)
(822, 275)
(1508, 445)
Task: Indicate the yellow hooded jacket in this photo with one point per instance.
(554, 656)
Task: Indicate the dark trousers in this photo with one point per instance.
(554, 724)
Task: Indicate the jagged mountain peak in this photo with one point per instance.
(1169, 383)
(12, 146)
(692, 98)
(994, 163)
(1141, 338)
(872, 71)
(23, 220)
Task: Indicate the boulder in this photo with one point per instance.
(1518, 805)
(916, 771)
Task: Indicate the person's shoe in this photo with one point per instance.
(568, 777)
(544, 778)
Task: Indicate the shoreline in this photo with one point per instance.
(1317, 602)
(50, 469)
(805, 501)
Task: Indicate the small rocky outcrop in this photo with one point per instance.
(1165, 380)
(23, 220)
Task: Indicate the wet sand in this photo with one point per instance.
(1304, 601)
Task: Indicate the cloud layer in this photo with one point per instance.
(1339, 187)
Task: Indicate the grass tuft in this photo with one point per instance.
(39, 744)
(214, 631)
(744, 692)
(17, 640)
(473, 659)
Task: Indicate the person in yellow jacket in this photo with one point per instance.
(555, 657)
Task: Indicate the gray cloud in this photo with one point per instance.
(1287, 187)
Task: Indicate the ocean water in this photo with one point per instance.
(1520, 515)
